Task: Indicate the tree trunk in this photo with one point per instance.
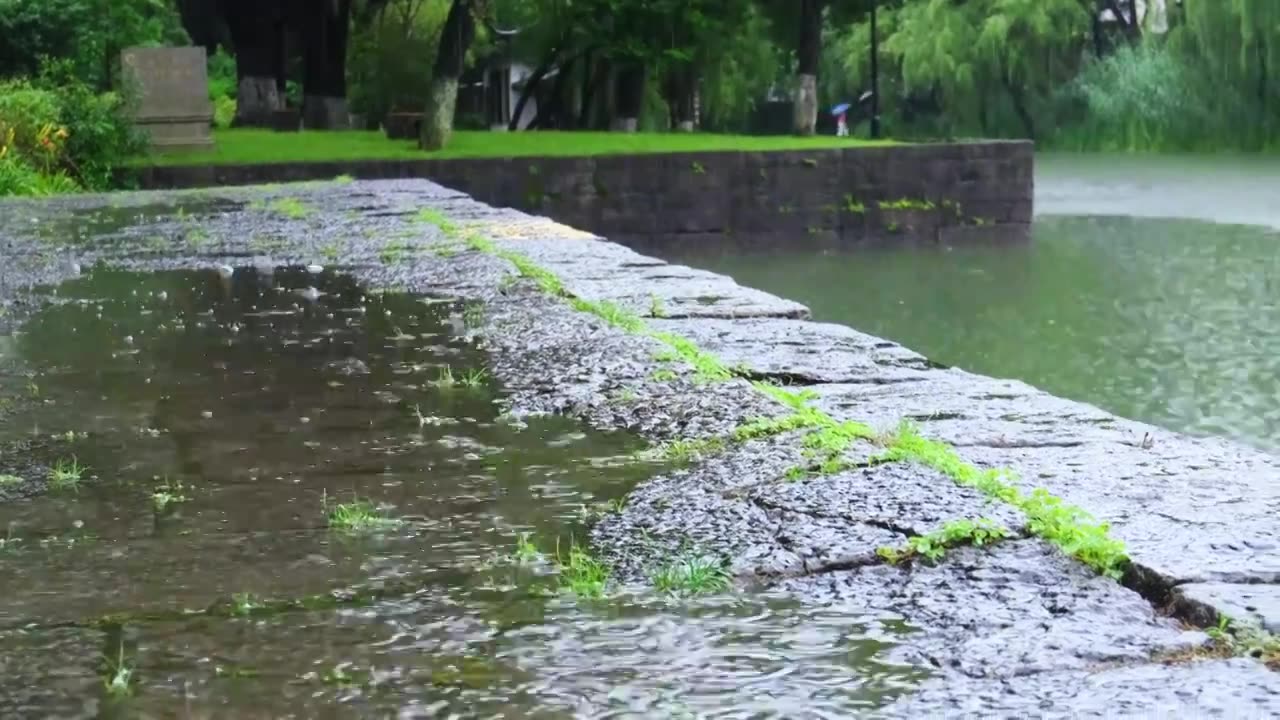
(255, 29)
(530, 86)
(550, 111)
(681, 81)
(598, 77)
(809, 55)
(324, 105)
(630, 97)
(455, 39)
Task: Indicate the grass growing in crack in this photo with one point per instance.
(431, 216)
(357, 516)
(470, 379)
(932, 546)
(685, 452)
(656, 308)
(244, 604)
(473, 315)
(596, 512)
(170, 493)
(665, 375)
(445, 379)
(118, 679)
(1069, 527)
(693, 575)
(66, 474)
(1230, 638)
(581, 573)
(10, 481)
(526, 551)
(292, 208)
(706, 367)
(393, 252)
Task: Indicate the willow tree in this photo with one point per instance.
(1236, 44)
(986, 56)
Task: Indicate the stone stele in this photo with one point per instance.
(172, 93)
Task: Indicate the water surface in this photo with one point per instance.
(262, 400)
(1123, 298)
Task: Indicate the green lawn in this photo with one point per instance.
(265, 146)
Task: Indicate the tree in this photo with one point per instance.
(257, 30)
(455, 39)
(326, 27)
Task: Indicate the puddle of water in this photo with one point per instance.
(255, 401)
(96, 223)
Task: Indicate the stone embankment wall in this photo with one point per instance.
(806, 199)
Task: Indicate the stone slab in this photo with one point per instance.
(1256, 605)
(1235, 689)
(173, 95)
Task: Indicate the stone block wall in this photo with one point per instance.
(808, 199)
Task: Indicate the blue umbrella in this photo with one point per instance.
(841, 108)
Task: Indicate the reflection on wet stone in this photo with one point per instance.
(260, 396)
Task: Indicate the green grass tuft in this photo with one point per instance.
(581, 573)
(1069, 527)
(473, 315)
(66, 474)
(290, 207)
(245, 604)
(167, 494)
(693, 575)
(357, 516)
(934, 545)
(10, 480)
(118, 678)
(526, 551)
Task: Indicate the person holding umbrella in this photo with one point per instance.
(841, 112)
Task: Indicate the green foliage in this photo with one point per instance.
(581, 573)
(224, 111)
(87, 34)
(390, 60)
(357, 517)
(932, 546)
(1032, 68)
(9, 481)
(66, 474)
(526, 551)
(222, 76)
(691, 575)
(1069, 527)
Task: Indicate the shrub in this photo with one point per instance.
(224, 112)
(24, 110)
(101, 135)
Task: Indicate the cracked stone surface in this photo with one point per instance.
(1214, 689)
(1256, 605)
(1016, 608)
(1012, 629)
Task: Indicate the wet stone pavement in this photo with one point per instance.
(261, 351)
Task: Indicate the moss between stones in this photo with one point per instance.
(1069, 527)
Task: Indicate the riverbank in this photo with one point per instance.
(800, 489)
(745, 194)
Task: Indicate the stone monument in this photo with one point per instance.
(171, 89)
